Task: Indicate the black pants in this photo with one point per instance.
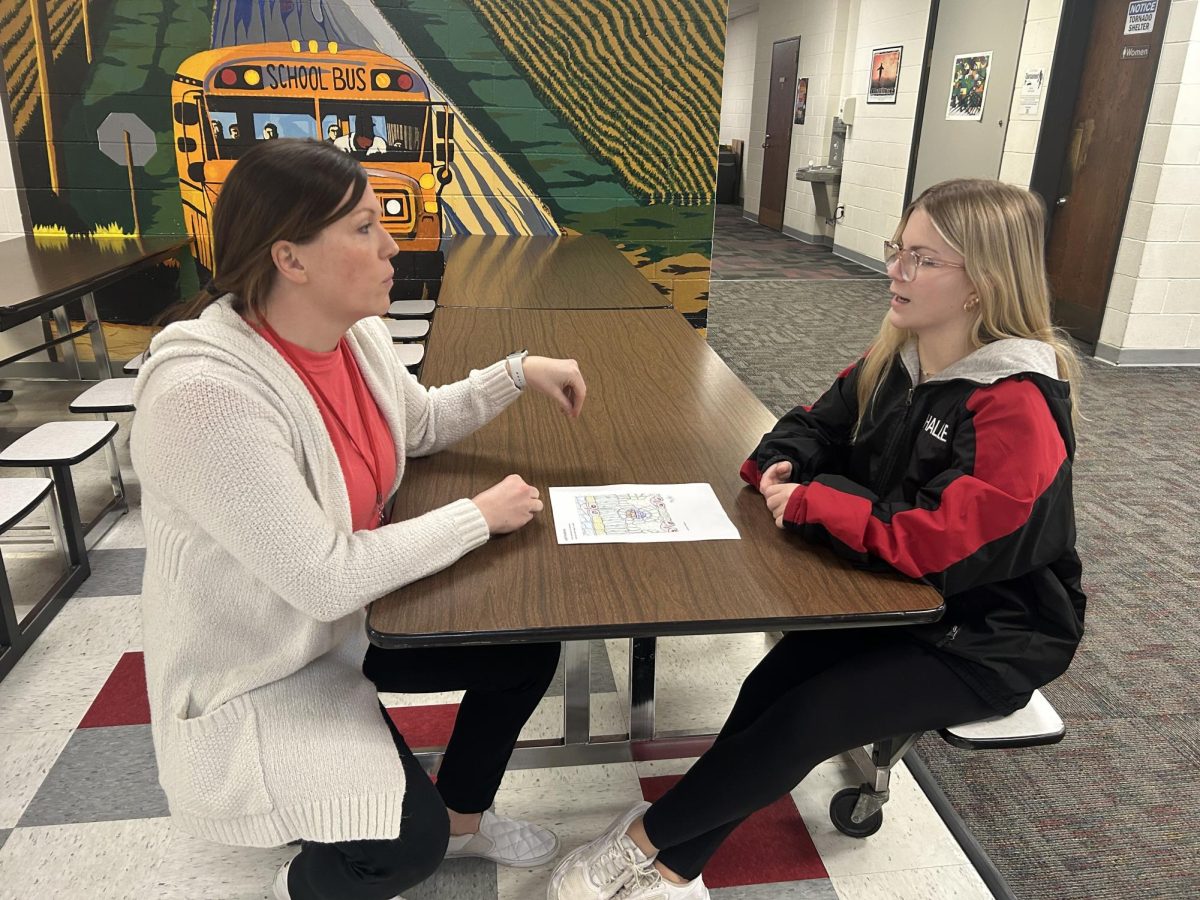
(503, 685)
(815, 695)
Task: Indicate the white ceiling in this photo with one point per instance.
(741, 7)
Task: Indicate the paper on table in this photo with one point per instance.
(639, 513)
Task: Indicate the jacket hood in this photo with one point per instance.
(992, 362)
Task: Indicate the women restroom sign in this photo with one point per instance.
(1140, 19)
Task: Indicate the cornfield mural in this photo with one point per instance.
(566, 116)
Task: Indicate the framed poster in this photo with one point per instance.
(968, 86)
(885, 74)
(801, 100)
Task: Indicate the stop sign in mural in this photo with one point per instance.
(111, 135)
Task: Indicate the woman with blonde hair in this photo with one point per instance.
(945, 454)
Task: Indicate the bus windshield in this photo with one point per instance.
(382, 132)
(238, 123)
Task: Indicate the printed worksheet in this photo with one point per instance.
(639, 513)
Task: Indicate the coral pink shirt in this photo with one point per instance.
(356, 427)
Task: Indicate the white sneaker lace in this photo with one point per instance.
(614, 867)
(645, 876)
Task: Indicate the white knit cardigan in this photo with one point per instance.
(253, 598)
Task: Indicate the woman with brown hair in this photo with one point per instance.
(271, 435)
(945, 453)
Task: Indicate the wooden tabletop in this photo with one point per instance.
(662, 408)
(577, 272)
(39, 274)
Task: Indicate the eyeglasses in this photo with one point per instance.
(909, 261)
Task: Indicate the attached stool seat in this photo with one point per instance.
(409, 355)
(18, 498)
(53, 448)
(858, 811)
(1034, 724)
(412, 309)
(407, 329)
(132, 367)
(109, 395)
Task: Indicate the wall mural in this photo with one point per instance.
(528, 117)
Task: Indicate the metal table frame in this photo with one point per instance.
(67, 337)
(54, 303)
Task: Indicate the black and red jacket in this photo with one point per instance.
(963, 481)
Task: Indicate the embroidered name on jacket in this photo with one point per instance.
(937, 428)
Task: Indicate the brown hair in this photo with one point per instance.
(281, 190)
(1000, 231)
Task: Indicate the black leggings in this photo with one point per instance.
(815, 695)
(503, 685)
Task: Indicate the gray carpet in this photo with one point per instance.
(1112, 811)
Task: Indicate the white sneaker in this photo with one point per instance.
(647, 883)
(279, 888)
(596, 871)
(508, 842)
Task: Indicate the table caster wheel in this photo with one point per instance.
(842, 807)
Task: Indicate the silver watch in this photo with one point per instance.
(516, 369)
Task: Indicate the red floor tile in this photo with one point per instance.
(425, 726)
(770, 847)
(122, 700)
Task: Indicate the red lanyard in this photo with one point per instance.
(372, 465)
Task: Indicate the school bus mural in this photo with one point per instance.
(365, 103)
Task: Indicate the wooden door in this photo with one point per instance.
(777, 147)
(1096, 179)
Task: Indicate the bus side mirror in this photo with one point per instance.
(186, 145)
(187, 113)
(196, 171)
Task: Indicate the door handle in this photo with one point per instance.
(1061, 201)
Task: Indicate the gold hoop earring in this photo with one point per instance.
(971, 304)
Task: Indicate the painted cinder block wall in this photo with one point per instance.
(605, 116)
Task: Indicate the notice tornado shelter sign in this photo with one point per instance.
(1140, 19)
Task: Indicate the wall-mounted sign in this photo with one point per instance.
(1135, 52)
(1140, 18)
(968, 86)
(1031, 91)
(885, 74)
(801, 100)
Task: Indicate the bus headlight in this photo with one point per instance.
(393, 207)
(428, 181)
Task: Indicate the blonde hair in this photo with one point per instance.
(1000, 231)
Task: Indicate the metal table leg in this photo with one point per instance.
(99, 346)
(641, 688)
(577, 692)
(68, 347)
